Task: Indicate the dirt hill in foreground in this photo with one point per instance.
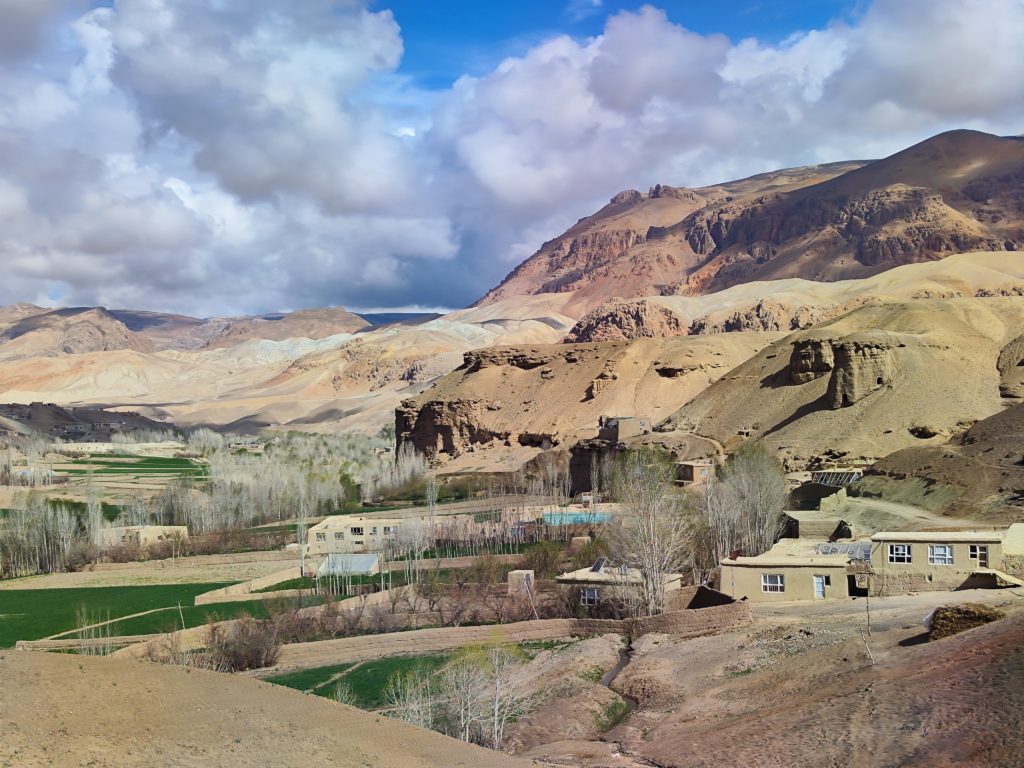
(954, 702)
(61, 710)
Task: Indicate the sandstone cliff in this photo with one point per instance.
(881, 378)
(505, 404)
(635, 319)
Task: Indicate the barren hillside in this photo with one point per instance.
(59, 709)
(876, 380)
(537, 397)
(980, 472)
(959, 191)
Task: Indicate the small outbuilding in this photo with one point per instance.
(141, 536)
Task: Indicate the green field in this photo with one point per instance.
(32, 614)
(137, 465)
(366, 680)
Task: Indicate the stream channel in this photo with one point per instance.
(625, 656)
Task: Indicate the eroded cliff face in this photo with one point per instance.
(1011, 369)
(635, 319)
(443, 426)
(862, 365)
(856, 365)
(811, 359)
(505, 403)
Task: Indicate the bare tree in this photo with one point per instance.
(505, 698)
(758, 486)
(410, 697)
(466, 683)
(653, 537)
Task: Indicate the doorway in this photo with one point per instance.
(819, 587)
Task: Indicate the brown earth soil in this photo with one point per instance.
(61, 710)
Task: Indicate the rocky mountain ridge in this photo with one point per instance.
(956, 192)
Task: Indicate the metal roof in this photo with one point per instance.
(835, 479)
(855, 550)
(348, 565)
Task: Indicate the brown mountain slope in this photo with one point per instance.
(504, 404)
(67, 332)
(878, 379)
(980, 472)
(632, 246)
(959, 191)
(61, 710)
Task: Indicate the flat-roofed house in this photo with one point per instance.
(605, 582)
(141, 535)
(918, 561)
(696, 472)
(791, 570)
(352, 533)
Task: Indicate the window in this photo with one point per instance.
(940, 554)
(589, 596)
(979, 552)
(339, 535)
(356, 531)
(373, 531)
(899, 553)
(773, 582)
(321, 537)
(704, 472)
(390, 529)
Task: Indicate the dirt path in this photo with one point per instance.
(364, 648)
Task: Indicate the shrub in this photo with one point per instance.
(243, 644)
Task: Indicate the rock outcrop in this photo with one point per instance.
(617, 319)
(443, 426)
(811, 359)
(1011, 369)
(861, 365)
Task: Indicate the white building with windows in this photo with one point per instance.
(344, 534)
(904, 561)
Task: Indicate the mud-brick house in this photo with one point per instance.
(791, 570)
(607, 583)
(345, 534)
(141, 536)
(696, 472)
(918, 561)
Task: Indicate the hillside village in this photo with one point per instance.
(731, 474)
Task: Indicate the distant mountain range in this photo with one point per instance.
(956, 192)
(739, 266)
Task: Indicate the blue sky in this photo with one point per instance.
(246, 156)
(445, 39)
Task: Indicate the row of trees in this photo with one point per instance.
(473, 698)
